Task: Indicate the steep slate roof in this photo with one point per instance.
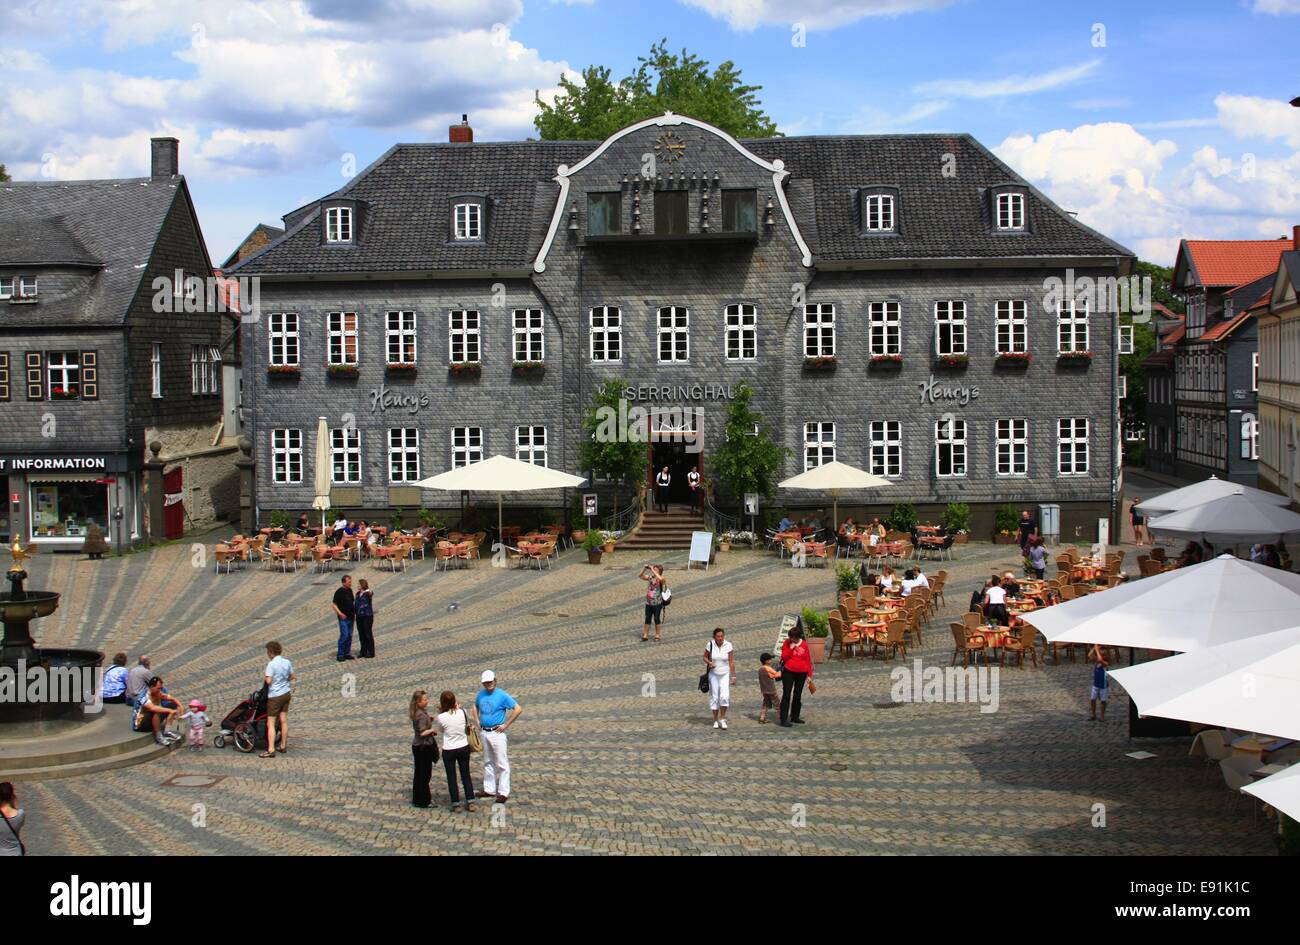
(40, 242)
(114, 222)
(406, 193)
(1243, 299)
(1219, 263)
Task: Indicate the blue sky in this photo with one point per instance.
(1154, 121)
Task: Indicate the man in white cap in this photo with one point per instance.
(497, 711)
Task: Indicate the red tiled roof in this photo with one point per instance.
(1262, 304)
(1235, 262)
(1176, 335)
(1223, 329)
(1163, 358)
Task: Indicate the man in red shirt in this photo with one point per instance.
(796, 667)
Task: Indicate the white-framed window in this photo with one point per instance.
(1012, 331)
(886, 448)
(606, 333)
(155, 370)
(1249, 436)
(1072, 446)
(27, 287)
(1125, 339)
(884, 327)
(338, 225)
(950, 327)
(878, 213)
(1011, 211)
(530, 445)
(950, 448)
(342, 337)
(286, 456)
(7, 284)
(463, 337)
(1012, 438)
(819, 330)
(205, 369)
(63, 374)
(530, 335)
(403, 454)
(1072, 325)
(345, 455)
(1123, 386)
(468, 221)
(741, 322)
(282, 330)
(818, 444)
(466, 446)
(674, 333)
(399, 331)
(1254, 370)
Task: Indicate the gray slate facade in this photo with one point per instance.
(808, 248)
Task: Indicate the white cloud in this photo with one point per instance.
(1247, 116)
(813, 14)
(1009, 85)
(1170, 124)
(871, 119)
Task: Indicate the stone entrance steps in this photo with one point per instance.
(76, 749)
(663, 531)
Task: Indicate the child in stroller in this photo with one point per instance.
(245, 724)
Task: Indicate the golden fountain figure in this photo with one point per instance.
(19, 555)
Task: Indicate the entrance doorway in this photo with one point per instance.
(673, 454)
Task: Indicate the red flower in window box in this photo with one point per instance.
(465, 368)
(282, 370)
(525, 368)
(63, 393)
(885, 360)
(1017, 358)
(342, 370)
(952, 360)
(400, 367)
(821, 362)
(1080, 357)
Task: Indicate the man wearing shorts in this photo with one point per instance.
(278, 676)
(1100, 687)
(155, 711)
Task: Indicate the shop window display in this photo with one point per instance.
(67, 509)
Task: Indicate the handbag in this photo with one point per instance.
(704, 676)
(22, 847)
(666, 595)
(472, 734)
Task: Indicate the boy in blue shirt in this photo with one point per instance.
(1100, 687)
(497, 711)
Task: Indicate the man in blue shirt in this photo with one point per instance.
(784, 524)
(497, 711)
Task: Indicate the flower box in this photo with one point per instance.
(885, 360)
(525, 368)
(282, 370)
(1013, 358)
(402, 367)
(342, 370)
(62, 393)
(1074, 357)
(824, 362)
(465, 368)
(952, 360)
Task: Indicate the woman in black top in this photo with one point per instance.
(424, 748)
(1137, 519)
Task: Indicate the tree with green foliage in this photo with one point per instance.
(747, 460)
(4, 175)
(596, 107)
(610, 449)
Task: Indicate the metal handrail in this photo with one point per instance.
(624, 521)
(717, 520)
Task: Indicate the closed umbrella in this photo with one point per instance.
(1281, 791)
(1199, 493)
(1187, 609)
(1252, 685)
(1230, 520)
(834, 478)
(501, 474)
(322, 471)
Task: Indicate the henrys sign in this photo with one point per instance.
(932, 392)
(382, 399)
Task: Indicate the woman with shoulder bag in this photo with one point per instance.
(11, 844)
(656, 596)
(796, 668)
(459, 737)
(720, 666)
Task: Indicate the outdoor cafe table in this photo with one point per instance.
(1087, 572)
(927, 529)
(1257, 746)
(869, 628)
(995, 638)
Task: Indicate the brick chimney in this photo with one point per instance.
(1295, 237)
(164, 156)
(462, 133)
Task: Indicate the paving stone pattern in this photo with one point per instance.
(598, 766)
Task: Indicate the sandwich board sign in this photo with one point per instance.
(788, 623)
(701, 549)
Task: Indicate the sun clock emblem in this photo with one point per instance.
(670, 148)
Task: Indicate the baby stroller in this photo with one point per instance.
(245, 724)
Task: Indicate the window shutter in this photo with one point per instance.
(4, 376)
(35, 375)
(89, 376)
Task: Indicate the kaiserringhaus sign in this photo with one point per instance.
(19, 464)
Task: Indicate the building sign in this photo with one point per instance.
(18, 464)
(383, 399)
(589, 504)
(932, 392)
(675, 392)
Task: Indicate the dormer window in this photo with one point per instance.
(467, 221)
(878, 210)
(739, 211)
(17, 287)
(338, 225)
(1010, 211)
(604, 214)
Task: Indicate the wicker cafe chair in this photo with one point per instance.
(892, 639)
(866, 596)
(1026, 642)
(843, 635)
(965, 643)
(224, 555)
(973, 619)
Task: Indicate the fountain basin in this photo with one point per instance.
(52, 683)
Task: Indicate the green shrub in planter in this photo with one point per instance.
(595, 540)
(815, 623)
(956, 518)
(1006, 520)
(903, 518)
(846, 578)
(432, 520)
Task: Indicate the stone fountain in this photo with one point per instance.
(58, 697)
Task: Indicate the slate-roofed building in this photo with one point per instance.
(93, 368)
(897, 302)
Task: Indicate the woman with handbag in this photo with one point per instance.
(11, 844)
(459, 737)
(656, 596)
(424, 748)
(720, 666)
(796, 668)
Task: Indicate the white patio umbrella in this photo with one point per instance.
(1199, 493)
(1187, 609)
(323, 471)
(1281, 791)
(1252, 685)
(501, 474)
(834, 478)
(1230, 520)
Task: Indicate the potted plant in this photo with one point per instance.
(279, 519)
(956, 522)
(724, 543)
(395, 522)
(816, 629)
(846, 579)
(902, 518)
(1006, 521)
(593, 543)
(432, 520)
(821, 362)
(607, 541)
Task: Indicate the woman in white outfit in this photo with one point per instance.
(722, 673)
